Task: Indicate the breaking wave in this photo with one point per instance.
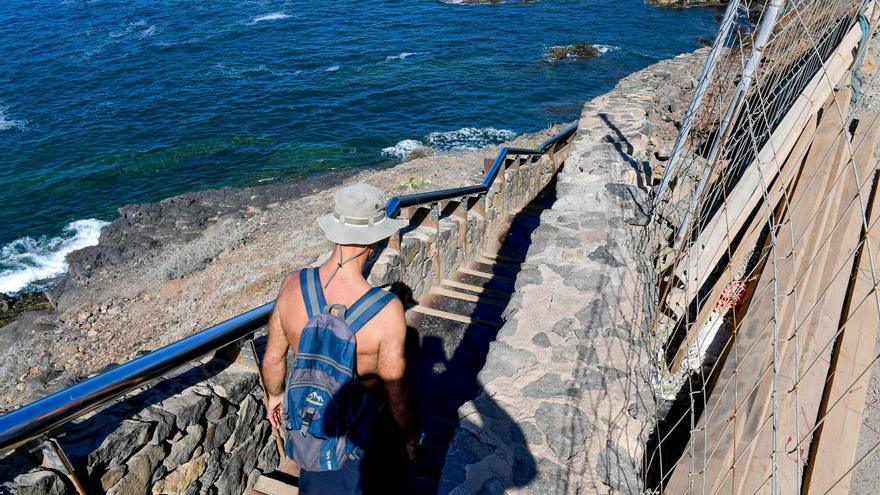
(468, 138)
(464, 139)
(401, 56)
(402, 149)
(26, 261)
(332, 68)
(603, 49)
(274, 16)
(7, 123)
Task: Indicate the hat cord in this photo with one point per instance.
(342, 262)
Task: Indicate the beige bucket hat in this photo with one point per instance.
(358, 217)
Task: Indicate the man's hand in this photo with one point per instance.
(274, 365)
(273, 410)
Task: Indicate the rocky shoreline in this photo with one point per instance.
(164, 270)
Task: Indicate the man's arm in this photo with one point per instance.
(275, 360)
(392, 371)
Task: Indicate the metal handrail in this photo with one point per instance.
(32, 420)
(396, 203)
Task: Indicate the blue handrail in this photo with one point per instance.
(32, 420)
(396, 203)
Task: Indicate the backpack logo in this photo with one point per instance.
(315, 399)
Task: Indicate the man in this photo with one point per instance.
(357, 223)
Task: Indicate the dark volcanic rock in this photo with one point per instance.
(141, 229)
(579, 50)
(13, 306)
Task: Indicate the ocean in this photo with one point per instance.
(107, 103)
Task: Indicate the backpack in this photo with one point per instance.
(325, 409)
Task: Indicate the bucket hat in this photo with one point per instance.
(358, 217)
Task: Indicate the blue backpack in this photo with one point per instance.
(326, 412)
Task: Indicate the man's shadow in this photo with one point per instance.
(446, 358)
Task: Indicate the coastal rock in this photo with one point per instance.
(13, 306)
(579, 50)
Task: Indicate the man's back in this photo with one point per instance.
(383, 337)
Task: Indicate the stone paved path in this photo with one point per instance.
(565, 404)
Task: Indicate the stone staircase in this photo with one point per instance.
(453, 325)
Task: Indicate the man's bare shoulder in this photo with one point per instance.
(289, 295)
(391, 322)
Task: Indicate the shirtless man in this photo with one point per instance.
(356, 224)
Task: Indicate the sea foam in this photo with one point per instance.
(27, 261)
(468, 138)
(274, 16)
(7, 123)
(464, 139)
(401, 149)
(603, 49)
(400, 56)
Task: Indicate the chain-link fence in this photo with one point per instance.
(765, 330)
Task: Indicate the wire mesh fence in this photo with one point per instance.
(767, 235)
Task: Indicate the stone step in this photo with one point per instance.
(476, 311)
(502, 271)
(275, 484)
(475, 289)
(493, 284)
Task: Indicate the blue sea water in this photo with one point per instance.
(107, 103)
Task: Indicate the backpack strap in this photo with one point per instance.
(365, 308)
(313, 295)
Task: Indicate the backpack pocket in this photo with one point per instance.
(311, 410)
(314, 423)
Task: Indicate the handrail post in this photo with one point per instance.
(438, 257)
(461, 213)
(487, 164)
(54, 458)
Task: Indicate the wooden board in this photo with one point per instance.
(271, 486)
(452, 316)
(798, 264)
(724, 422)
(843, 403)
(813, 327)
(441, 291)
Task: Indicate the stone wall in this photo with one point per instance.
(444, 236)
(566, 404)
(202, 431)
